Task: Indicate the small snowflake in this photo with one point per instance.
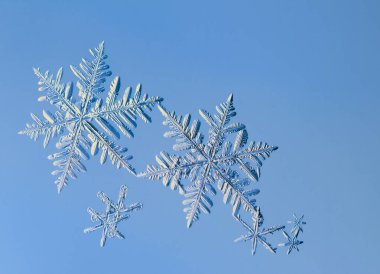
(292, 242)
(255, 234)
(297, 224)
(113, 214)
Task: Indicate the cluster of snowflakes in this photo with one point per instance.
(90, 124)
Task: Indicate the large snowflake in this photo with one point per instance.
(113, 215)
(88, 124)
(204, 164)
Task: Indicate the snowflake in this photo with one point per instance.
(292, 243)
(297, 224)
(114, 214)
(204, 164)
(292, 240)
(255, 235)
(77, 122)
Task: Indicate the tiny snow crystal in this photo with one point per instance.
(113, 215)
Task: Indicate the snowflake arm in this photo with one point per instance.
(69, 160)
(219, 126)
(108, 148)
(235, 194)
(187, 137)
(239, 153)
(113, 215)
(92, 75)
(197, 198)
(122, 113)
(56, 93)
(171, 169)
(52, 125)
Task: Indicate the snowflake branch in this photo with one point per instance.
(56, 90)
(117, 157)
(241, 198)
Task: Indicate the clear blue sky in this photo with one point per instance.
(305, 75)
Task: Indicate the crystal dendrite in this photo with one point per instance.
(255, 234)
(293, 241)
(204, 164)
(113, 215)
(90, 123)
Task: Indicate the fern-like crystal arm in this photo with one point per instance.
(236, 195)
(177, 166)
(56, 93)
(51, 126)
(92, 74)
(113, 215)
(70, 161)
(255, 235)
(173, 169)
(198, 197)
(239, 153)
(115, 153)
(124, 112)
(219, 125)
(127, 105)
(187, 137)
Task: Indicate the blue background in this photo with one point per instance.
(305, 75)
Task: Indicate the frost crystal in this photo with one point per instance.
(204, 164)
(77, 122)
(297, 224)
(114, 214)
(255, 235)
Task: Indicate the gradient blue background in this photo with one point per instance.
(305, 75)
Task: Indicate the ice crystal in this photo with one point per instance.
(77, 121)
(113, 214)
(297, 224)
(204, 164)
(257, 235)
